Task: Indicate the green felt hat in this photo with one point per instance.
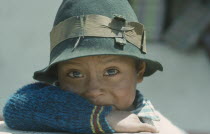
(91, 45)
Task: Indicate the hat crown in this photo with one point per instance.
(89, 45)
(70, 8)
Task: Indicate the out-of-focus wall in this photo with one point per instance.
(24, 41)
(181, 92)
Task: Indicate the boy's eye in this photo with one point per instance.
(75, 74)
(111, 72)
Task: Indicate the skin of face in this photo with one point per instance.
(103, 80)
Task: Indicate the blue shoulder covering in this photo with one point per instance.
(42, 107)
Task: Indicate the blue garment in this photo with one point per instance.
(42, 107)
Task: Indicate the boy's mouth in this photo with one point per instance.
(97, 101)
(101, 102)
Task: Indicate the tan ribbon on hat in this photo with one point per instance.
(100, 26)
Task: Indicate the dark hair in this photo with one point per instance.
(138, 63)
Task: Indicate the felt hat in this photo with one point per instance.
(76, 46)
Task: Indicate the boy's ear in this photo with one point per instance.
(140, 71)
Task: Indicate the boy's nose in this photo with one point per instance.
(94, 87)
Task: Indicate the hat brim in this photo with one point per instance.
(91, 46)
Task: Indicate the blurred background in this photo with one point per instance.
(178, 35)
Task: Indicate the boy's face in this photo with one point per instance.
(103, 80)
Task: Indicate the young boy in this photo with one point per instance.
(96, 61)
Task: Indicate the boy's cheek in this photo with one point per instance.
(125, 100)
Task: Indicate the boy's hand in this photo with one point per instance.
(127, 122)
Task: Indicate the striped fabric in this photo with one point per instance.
(145, 110)
(148, 111)
(148, 114)
(94, 120)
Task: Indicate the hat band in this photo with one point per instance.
(99, 26)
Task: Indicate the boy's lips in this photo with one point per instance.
(97, 101)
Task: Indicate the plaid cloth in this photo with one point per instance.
(148, 111)
(149, 115)
(185, 31)
(145, 110)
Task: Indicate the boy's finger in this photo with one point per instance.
(148, 128)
